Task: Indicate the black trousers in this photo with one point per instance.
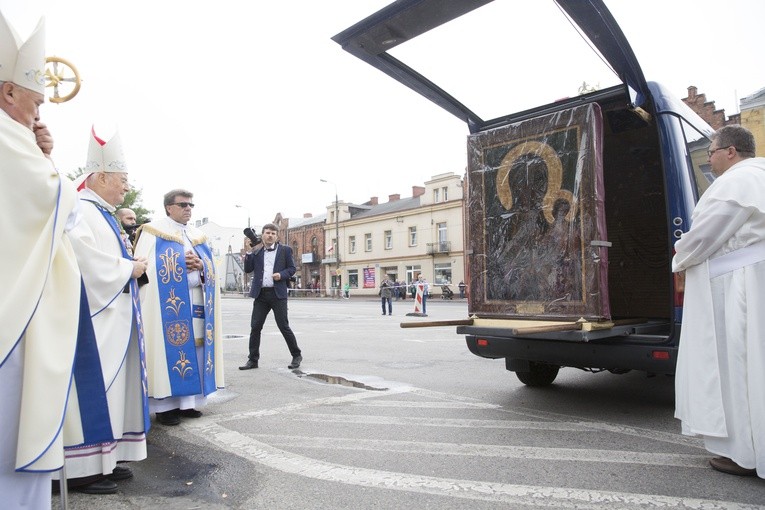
(264, 303)
(390, 306)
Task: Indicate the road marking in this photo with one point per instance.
(528, 495)
(655, 435)
(264, 450)
(488, 450)
(393, 389)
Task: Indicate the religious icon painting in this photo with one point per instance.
(536, 198)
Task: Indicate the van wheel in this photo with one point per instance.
(539, 374)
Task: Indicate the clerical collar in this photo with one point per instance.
(89, 194)
(182, 225)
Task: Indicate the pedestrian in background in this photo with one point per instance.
(425, 289)
(386, 293)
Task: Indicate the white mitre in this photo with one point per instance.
(105, 156)
(23, 63)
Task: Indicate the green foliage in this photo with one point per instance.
(132, 199)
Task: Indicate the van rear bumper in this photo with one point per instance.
(655, 353)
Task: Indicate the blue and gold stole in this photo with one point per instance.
(186, 376)
(137, 322)
(89, 380)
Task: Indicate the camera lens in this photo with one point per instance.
(251, 235)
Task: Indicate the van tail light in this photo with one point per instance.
(660, 355)
(679, 288)
(482, 342)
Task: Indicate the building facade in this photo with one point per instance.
(751, 116)
(227, 245)
(306, 238)
(402, 239)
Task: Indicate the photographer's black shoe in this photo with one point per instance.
(249, 365)
(295, 362)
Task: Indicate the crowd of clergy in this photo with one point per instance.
(101, 328)
(98, 332)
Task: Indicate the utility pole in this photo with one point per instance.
(336, 246)
(245, 280)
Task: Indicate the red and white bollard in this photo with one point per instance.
(418, 302)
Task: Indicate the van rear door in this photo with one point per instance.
(375, 39)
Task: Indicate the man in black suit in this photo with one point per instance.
(272, 266)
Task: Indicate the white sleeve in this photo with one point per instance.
(74, 217)
(710, 230)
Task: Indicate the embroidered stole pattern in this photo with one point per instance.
(186, 377)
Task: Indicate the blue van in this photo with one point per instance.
(572, 205)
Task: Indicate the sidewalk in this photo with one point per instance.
(374, 298)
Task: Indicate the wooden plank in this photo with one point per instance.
(431, 324)
(530, 330)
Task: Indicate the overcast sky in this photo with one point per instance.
(252, 103)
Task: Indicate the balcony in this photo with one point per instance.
(442, 248)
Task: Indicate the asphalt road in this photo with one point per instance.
(380, 417)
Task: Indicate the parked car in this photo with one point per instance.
(573, 205)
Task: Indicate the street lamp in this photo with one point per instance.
(248, 213)
(337, 229)
(246, 276)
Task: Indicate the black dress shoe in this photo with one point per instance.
(120, 473)
(190, 413)
(726, 465)
(172, 417)
(295, 362)
(249, 365)
(104, 486)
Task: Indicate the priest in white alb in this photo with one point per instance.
(720, 379)
(181, 310)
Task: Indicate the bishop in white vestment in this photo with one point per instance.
(109, 273)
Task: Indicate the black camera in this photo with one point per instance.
(130, 229)
(252, 236)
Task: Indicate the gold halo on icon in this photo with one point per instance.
(554, 178)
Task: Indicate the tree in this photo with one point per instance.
(132, 199)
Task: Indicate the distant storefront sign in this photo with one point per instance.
(369, 278)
